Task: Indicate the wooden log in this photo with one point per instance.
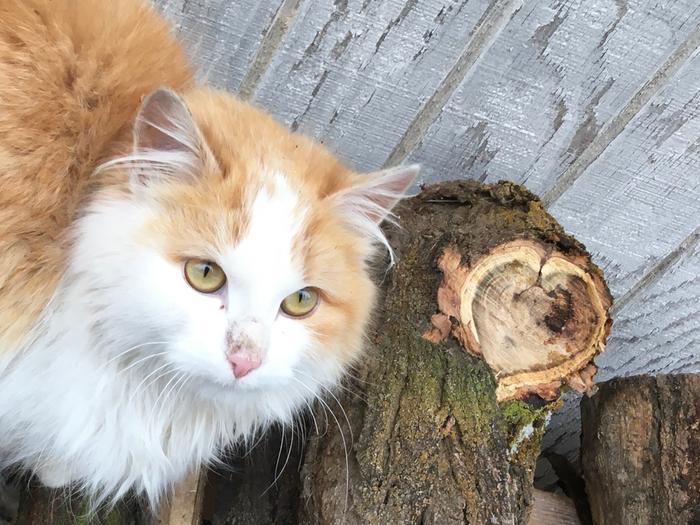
(641, 450)
(490, 308)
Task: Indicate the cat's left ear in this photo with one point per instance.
(167, 141)
(376, 194)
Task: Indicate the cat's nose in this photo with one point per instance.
(243, 364)
(244, 357)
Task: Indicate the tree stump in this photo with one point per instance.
(490, 310)
(641, 450)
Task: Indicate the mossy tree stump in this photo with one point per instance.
(490, 310)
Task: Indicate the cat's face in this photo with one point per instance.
(242, 249)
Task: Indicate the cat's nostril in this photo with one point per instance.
(243, 364)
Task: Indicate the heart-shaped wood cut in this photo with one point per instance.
(536, 316)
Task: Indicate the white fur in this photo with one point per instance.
(125, 385)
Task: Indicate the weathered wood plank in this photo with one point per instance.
(641, 197)
(355, 73)
(185, 507)
(222, 37)
(541, 93)
(657, 332)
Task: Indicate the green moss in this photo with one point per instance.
(526, 425)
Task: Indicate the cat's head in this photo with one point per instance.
(237, 250)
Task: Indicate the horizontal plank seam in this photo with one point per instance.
(617, 124)
(658, 270)
(267, 50)
(483, 38)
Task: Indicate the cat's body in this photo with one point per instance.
(119, 372)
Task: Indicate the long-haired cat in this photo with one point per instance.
(177, 271)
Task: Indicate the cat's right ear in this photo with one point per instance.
(167, 142)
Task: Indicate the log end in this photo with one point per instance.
(537, 316)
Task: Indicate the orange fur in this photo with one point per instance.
(247, 144)
(72, 74)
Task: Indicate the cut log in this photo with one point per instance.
(490, 308)
(641, 450)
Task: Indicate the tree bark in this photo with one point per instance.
(490, 300)
(641, 450)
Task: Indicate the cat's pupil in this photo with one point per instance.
(206, 270)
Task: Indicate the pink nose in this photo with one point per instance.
(243, 364)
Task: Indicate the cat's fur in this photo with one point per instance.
(113, 370)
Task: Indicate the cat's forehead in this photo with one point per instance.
(268, 245)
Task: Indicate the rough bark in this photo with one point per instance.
(432, 444)
(641, 450)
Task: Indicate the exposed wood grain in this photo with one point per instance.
(355, 73)
(552, 509)
(641, 197)
(186, 505)
(222, 37)
(658, 332)
(541, 93)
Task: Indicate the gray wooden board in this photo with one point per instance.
(641, 197)
(657, 332)
(354, 73)
(222, 37)
(539, 95)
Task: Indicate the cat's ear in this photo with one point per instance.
(369, 201)
(375, 194)
(167, 141)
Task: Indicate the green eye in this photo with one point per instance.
(301, 303)
(204, 276)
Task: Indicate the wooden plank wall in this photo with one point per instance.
(593, 104)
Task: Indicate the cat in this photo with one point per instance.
(177, 270)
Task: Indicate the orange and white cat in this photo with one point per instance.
(177, 271)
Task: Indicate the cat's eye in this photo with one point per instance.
(204, 276)
(301, 303)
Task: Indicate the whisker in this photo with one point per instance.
(352, 439)
(136, 390)
(345, 446)
(135, 347)
(146, 358)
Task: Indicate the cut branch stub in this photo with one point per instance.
(536, 316)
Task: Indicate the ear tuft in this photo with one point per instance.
(166, 141)
(165, 124)
(378, 192)
(368, 203)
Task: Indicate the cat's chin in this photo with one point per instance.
(215, 387)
